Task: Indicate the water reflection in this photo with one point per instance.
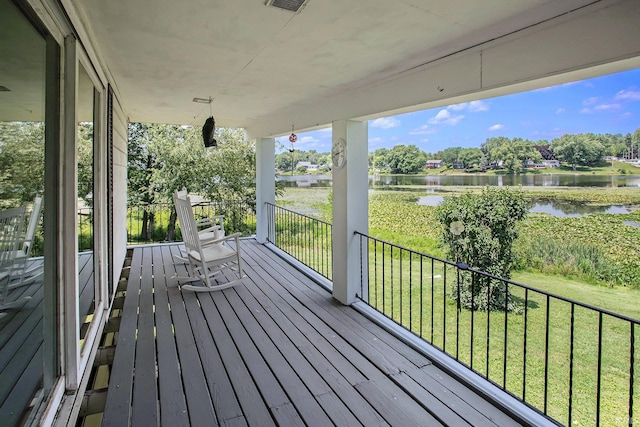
(385, 181)
(551, 207)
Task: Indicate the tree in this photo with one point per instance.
(470, 157)
(406, 159)
(513, 153)
(450, 155)
(164, 158)
(21, 162)
(479, 231)
(380, 158)
(580, 149)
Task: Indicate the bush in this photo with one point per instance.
(479, 230)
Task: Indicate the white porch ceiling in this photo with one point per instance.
(269, 69)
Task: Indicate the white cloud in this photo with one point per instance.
(590, 101)
(560, 110)
(604, 107)
(385, 123)
(458, 107)
(628, 95)
(444, 117)
(478, 106)
(423, 130)
(473, 106)
(307, 140)
(496, 127)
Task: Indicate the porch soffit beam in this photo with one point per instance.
(592, 41)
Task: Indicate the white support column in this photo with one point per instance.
(350, 207)
(265, 184)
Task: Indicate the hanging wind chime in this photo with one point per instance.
(292, 138)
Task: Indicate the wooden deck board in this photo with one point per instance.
(21, 338)
(275, 350)
(173, 407)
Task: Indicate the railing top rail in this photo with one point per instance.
(298, 213)
(465, 267)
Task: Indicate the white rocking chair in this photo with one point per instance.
(207, 257)
(208, 228)
(21, 271)
(11, 223)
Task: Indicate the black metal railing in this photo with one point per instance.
(152, 223)
(303, 237)
(571, 361)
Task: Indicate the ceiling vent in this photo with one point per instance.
(290, 5)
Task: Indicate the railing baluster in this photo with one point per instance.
(524, 345)
(571, 344)
(488, 327)
(546, 356)
(506, 327)
(473, 327)
(599, 376)
(632, 358)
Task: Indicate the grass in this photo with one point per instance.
(413, 294)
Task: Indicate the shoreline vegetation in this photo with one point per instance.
(595, 249)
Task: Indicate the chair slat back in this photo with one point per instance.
(188, 226)
(34, 219)
(11, 224)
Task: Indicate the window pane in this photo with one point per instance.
(22, 147)
(85, 151)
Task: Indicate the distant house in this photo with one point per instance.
(307, 165)
(434, 164)
(546, 152)
(551, 163)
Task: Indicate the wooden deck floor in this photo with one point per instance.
(21, 338)
(276, 350)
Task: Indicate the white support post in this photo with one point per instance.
(350, 208)
(265, 185)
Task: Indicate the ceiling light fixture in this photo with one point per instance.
(288, 5)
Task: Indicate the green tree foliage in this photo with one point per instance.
(470, 157)
(579, 149)
(512, 153)
(164, 158)
(21, 162)
(84, 151)
(449, 155)
(479, 230)
(406, 159)
(380, 159)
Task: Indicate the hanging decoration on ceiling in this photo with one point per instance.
(293, 137)
(209, 127)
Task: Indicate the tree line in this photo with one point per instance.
(511, 154)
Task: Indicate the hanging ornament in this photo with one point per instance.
(293, 137)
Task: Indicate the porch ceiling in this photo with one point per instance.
(264, 65)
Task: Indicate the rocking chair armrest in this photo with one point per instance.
(212, 220)
(233, 236)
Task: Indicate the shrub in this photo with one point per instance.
(479, 230)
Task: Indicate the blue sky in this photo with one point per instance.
(606, 104)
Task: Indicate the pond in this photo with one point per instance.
(555, 208)
(542, 180)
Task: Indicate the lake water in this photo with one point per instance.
(383, 181)
(555, 208)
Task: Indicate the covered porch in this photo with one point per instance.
(275, 350)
